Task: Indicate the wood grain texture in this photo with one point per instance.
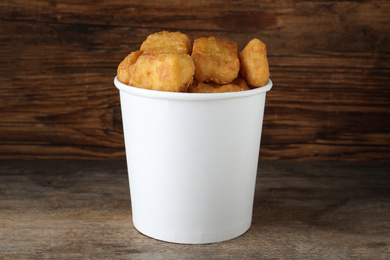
(329, 61)
(302, 210)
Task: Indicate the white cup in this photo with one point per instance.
(192, 161)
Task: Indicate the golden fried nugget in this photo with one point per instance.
(254, 63)
(201, 87)
(164, 42)
(215, 60)
(123, 68)
(162, 71)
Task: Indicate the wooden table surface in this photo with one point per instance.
(81, 210)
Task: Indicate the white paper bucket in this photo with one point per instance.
(192, 161)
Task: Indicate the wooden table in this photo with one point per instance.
(81, 210)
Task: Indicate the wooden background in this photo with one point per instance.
(329, 62)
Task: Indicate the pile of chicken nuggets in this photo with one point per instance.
(166, 62)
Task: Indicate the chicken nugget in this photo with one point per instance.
(164, 42)
(123, 68)
(215, 60)
(201, 87)
(162, 71)
(254, 63)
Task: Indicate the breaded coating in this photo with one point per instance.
(162, 71)
(254, 63)
(123, 68)
(201, 87)
(164, 42)
(215, 60)
(239, 81)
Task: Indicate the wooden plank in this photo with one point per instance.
(329, 64)
(81, 209)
